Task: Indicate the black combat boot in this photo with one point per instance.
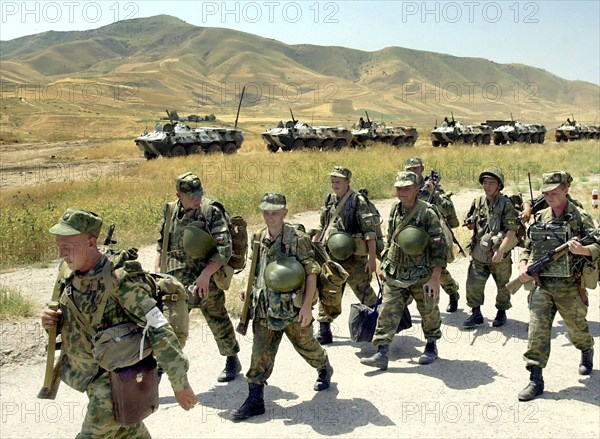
(324, 378)
(500, 318)
(429, 354)
(232, 368)
(587, 359)
(379, 360)
(254, 405)
(325, 336)
(535, 386)
(476, 319)
(453, 304)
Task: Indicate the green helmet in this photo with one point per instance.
(284, 275)
(493, 172)
(340, 246)
(197, 243)
(412, 240)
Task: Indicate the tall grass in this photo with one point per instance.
(132, 197)
(14, 305)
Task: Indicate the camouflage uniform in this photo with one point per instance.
(187, 269)
(557, 293)
(405, 275)
(356, 220)
(82, 372)
(274, 314)
(502, 218)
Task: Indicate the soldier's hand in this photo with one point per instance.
(523, 276)
(433, 288)
(498, 256)
(50, 318)
(186, 398)
(526, 214)
(202, 284)
(428, 186)
(576, 248)
(371, 265)
(305, 316)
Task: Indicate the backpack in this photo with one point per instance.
(238, 228)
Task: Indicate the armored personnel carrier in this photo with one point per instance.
(515, 131)
(572, 130)
(176, 139)
(296, 136)
(397, 136)
(455, 132)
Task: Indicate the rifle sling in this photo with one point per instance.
(336, 213)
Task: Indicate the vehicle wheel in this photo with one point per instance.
(534, 138)
(229, 148)
(312, 144)
(149, 155)
(339, 144)
(477, 140)
(496, 141)
(435, 143)
(541, 138)
(298, 145)
(445, 145)
(214, 149)
(328, 145)
(272, 148)
(487, 139)
(504, 142)
(388, 140)
(521, 138)
(177, 151)
(397, 141)
(409, 141)
(468, 140)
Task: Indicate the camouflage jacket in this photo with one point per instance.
(442, 203)
(502, 217)
(217, 227)
(579, 224)
(409, 269)
(276, 308)
(354, 218)
(131, 303)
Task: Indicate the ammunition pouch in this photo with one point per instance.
(545, 238)
(281, 309)
(223, 277)
(589, 275)
(120, 346)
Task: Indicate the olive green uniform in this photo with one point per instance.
(131, 302)
(274, 313)
(499, 216)
(354, 218)
(405, 275)
(558, 289)
(187, 270)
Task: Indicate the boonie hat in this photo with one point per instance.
(190, 185)
(413, 163)
(340, 171)
(76, 221)
(552, 180)
(272, 201)
(405, 178)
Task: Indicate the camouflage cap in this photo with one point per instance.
(413, 163)
(340, 171)
(406, 178)
(568, 177)
(190, 185)
(272, 201)
(552, 180)
(76, 221)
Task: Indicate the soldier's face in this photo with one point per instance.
(490, 186)
(274, 218)
(188, 202)
(556, 197)
(407, 194)
(78, 251)
(340, 185)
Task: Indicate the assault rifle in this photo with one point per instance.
(109, 234)
(542, 264)
(242, 327)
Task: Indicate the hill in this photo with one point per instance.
(125, 75)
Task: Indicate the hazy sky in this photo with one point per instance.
(562, 37)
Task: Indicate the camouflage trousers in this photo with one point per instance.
(213, 309)
(266, 343)
(395, 299)
(330, 304)
(544, 302)
(99, 421)
(478, 274)
(447, 282)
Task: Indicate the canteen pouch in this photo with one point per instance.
(589, 275)
(134, 391)
(119, 346)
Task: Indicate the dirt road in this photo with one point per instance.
(470, 391)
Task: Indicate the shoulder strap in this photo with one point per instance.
(336, 213)
(166, 235)
(416, 208)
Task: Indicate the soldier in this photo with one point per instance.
(559, 287)
(415, 255)
(494, 222)
(210, 274)
(82, 287)
(281, 304)
(345, 219)
(540, 202)
(447, 213)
